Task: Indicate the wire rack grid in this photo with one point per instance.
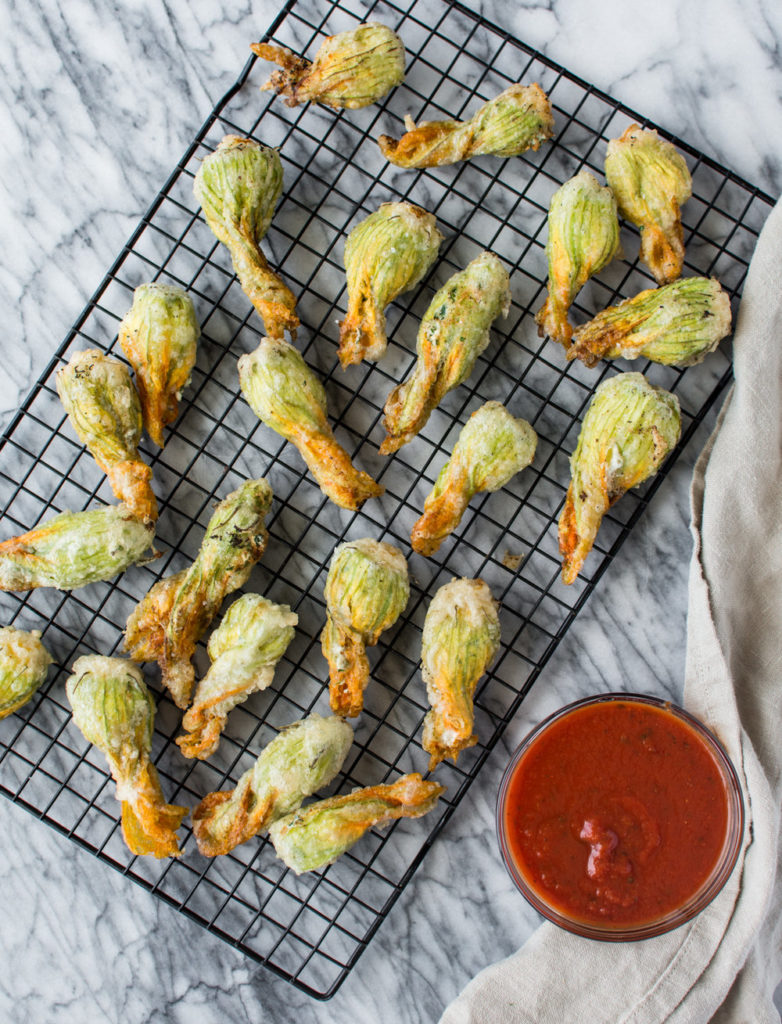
(312, 929)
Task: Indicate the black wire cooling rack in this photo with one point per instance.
(312, 929)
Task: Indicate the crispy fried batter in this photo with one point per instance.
(583, 236)
(244, 649)
(366, 591)
(628, 431)
(518, 119)
(314, 836)
(284, 392)
(651, 181)
(332, 467)
(460, 638)
(272, 298)
(149, 824)
(114, 709)
(159, 335)
(386, 254)
(453, 333)
(346, 654)
(131, 481)
(350, 70)
(491, 448)
(300, 760)
(103, 408)
(166, 625)
(238, 814)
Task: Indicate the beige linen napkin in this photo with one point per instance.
(723, 965)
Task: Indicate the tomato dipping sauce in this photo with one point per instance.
(620, 817)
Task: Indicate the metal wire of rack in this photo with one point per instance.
(312, 929)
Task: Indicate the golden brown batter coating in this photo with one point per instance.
(518, 119)
(284, 392)
(166, 625)
(350, 70)
(366, 591)
(651, 182)
(103, 407)
(628, 431)
(300, 760)
(314, 836)
(460, 638)
(583, 237)
(491, 449)
(115, 711)
(453, 333)
(238, 187)
(159, 335)
(386, 254)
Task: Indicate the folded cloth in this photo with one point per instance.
(722, 966)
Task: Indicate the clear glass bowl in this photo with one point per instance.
(725, 863)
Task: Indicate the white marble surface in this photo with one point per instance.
(97, 101)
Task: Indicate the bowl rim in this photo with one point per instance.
(723, 868)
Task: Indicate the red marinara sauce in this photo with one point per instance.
(618, 812)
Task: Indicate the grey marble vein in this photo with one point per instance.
(98, 100)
